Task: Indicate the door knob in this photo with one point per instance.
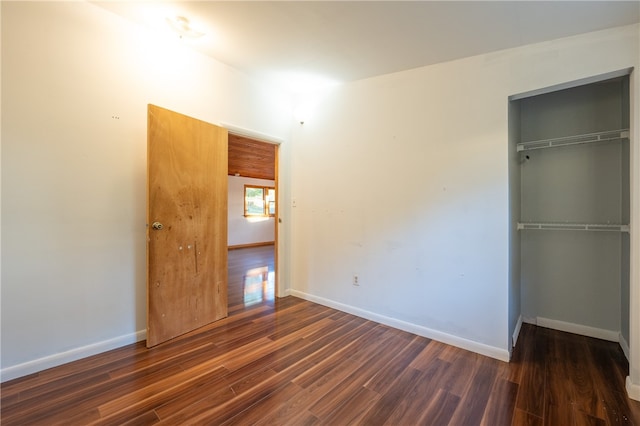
(156, 225)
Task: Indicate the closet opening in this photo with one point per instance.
(569, 179)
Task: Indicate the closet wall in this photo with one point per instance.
(575, 279)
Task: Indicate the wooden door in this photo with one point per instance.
(187, 224)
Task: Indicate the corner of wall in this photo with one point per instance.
(516, 333)
(624, 345)
(633, 390)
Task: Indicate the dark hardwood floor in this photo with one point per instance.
(289, 361)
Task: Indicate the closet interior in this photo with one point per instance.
(570, 207)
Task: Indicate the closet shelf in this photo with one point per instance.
(574, 140)
(550, 226)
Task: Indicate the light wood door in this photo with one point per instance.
(187, 224)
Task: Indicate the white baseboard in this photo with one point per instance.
(633, 390)
(584, 330)
(624, 345)
(75, 354)
(283, 293)
(516, 332)
(449, 339)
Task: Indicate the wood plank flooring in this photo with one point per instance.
(291, 362)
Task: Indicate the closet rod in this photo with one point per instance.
(548, 226)
(574, 140)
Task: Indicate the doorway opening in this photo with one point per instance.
(252, 221)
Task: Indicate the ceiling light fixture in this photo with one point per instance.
(182, 26)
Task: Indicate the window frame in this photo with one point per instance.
(265, 202)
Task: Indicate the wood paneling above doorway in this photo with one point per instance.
(251, 158)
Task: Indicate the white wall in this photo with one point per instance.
(244, 230)
(403, 179)
(76, 82)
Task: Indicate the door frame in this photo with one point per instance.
(261, 137)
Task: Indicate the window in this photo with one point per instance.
(259, 201)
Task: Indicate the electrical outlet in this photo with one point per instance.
(356, 280)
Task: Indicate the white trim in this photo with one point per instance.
(624, 345)
(584, 330)
(633, 390)
(516, 332)
(571, 84)
(75, 354)
(241, 131)
(470, 345)
(633, 380)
